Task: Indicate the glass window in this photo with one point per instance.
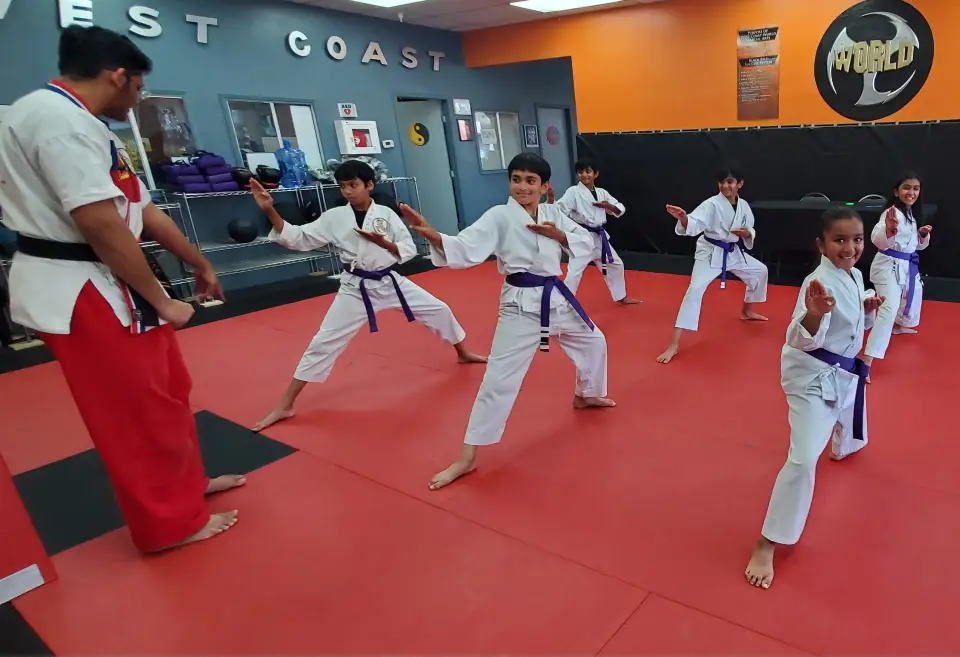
(261, 126)
(498, 138)
(165, 128)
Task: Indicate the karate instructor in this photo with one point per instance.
(80, 280)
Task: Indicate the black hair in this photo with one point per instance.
(86, 52)
(916, 212)
(835, 214)
(585, 163)
(532, 163)
(351, 169)
(729, 172)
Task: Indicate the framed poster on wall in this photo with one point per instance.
(531, 136)
(758, 73)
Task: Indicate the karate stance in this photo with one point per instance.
(527, 239)
(725, 225)
(81, 281)
(589, 206)
(824, 381)
(895, 270)
(371, 241)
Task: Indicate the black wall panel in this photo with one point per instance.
(649, 170)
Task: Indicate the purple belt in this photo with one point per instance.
(379, 275)
(914, 260)
(548, 283)
(606, 253)
(727, 247)
(860, 369)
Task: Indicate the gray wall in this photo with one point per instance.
(247, 55)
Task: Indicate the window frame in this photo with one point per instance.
(226, 99)
(504, 162)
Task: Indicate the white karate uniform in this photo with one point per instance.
(578, 204)
(503, 232)
(715, 218)
(820, 396)
(347, 314)
(891, 276)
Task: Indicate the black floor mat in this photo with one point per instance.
(71, 502)
(16, 635)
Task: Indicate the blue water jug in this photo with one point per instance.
(287, 163)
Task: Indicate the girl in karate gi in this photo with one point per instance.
(371, 240)
(590, 206)
(823, 379)
(725, 225)
(527, 238)
(894, 271)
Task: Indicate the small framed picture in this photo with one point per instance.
(531, 136)
(461, 107)
(465, 129)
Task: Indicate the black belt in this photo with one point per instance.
(51, 250)
(37, 247)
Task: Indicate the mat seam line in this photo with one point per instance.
(625, 621)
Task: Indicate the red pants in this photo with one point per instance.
(133, 392)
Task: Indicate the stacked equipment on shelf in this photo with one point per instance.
(206, 173)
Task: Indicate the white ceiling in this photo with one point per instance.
(457, 15)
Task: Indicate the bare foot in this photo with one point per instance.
(628, 301)
(668, 355)
(760, 568)
(225, 482)
(470, 357)
(451, 474)
(218, 523)
(592, 402)
(903, 330)
(276, 415)
(752, 316)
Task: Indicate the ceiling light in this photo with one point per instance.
(547, 6)
(387, 3)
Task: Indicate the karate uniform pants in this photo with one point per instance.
(133, 393)
(814, 422)
(891, 311)
(753, 273)
(515, 342)
(347, 315)
(614, 278)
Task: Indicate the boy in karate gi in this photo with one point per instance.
(589, 206)
(371, 241)
(725, 225)
(824, 381)
(526, 237)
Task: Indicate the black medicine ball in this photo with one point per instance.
(242, 230)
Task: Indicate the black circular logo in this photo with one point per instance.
(874, 59)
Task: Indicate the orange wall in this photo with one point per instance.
(673, 64)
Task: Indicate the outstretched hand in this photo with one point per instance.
(872, 303)
(677, 212)
(742, 233)
(817, 300)
(925, 231)
(260, 195)
(411, 216)
(376, 238)
(551, 195)
(891, 221)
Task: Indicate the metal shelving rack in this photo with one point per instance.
(248, 264)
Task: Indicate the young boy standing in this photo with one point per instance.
(527, 238)
(589, 206)
(725, 225)
(371, 241)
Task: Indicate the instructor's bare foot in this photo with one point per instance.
(217, 524)
(225, 482)
(459, 468)
(592, 402)
(760, 568)
(276, 415)
(668, 355)
(628, 301)
(752, 316)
